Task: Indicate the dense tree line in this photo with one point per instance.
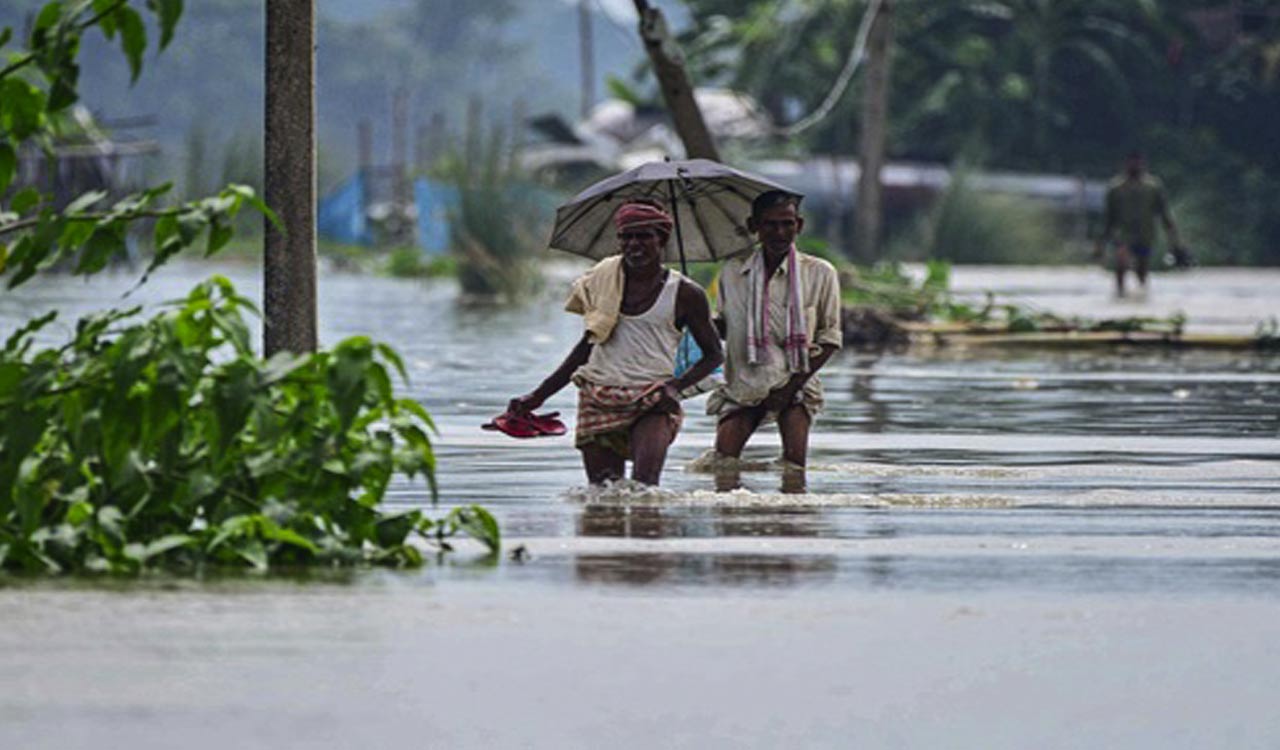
(1045, 85)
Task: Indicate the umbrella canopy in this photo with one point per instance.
(711, 205)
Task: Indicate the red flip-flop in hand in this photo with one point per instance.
(527, 425)
(549, 423)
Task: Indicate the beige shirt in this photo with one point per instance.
(747, 384)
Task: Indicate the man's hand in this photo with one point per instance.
(524, 404)
(780, 398)
(670, 401)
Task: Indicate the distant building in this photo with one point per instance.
(87, 157)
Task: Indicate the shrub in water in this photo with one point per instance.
(166, 441)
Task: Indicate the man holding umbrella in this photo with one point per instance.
(779, 310)
(634, 310)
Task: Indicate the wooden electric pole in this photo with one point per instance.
(400, 147)
(289, 283)
(364, 146)
(587, 57)
(677, 92)
(872, 136)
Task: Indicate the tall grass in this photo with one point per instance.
(969, 226)
(501, 220)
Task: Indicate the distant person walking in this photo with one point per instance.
(1135, 199)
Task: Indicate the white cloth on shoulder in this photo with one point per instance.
(597, 296)
(796, 342)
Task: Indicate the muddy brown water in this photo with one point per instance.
(992, 549)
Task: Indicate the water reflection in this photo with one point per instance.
(875, 414)
(703, 569)
(1046, 429)
(1203, 393)
(794, 479)
(655, 522)
(630, 522)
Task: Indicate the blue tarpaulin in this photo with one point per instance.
(435, 203)
(340, 217)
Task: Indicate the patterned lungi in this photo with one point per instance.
(607, 412)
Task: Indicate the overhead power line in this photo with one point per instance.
(856, 56)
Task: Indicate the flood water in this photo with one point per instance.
(992, 548)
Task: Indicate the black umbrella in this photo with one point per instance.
(709, 202)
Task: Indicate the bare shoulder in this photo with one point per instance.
(691, 290)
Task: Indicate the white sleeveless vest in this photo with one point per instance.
(642, 348)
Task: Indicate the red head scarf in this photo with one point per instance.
(635, 215)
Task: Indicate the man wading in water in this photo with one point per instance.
(633, 309)
(1135, 200)
(779, 310)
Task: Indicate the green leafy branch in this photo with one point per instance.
(27, 103)
(95, 237)
(166, 442)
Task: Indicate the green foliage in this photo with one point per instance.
(408, 262)
(968, 226)
(167, 442)
(496, 228)
(1224, 203)
(892, 294)
(888, 288)
(1039, 85)
(36, 88)
(93, 237)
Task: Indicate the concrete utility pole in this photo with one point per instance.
(289, 287)
(587, 56)
(400, 146)
(668, 66)
(364, 145)
(871, 138)
(519, 113)
(473, 146)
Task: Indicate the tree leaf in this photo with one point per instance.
(22, 112)
(104, 244)
(25, 200)
(8, 165)
(254, 552)
(108, 20)
(62, 93)
(84, 201)
(247, 193)
(133, 39)
(164, 544)
(48, 16)
(278, 533)
(479, 524)
(219, 236)
(168, 12)
(281, 365)
(24, 332)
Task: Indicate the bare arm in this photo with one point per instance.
(695, 312)
(779, 397)
(555, 381)
(1166, 217)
